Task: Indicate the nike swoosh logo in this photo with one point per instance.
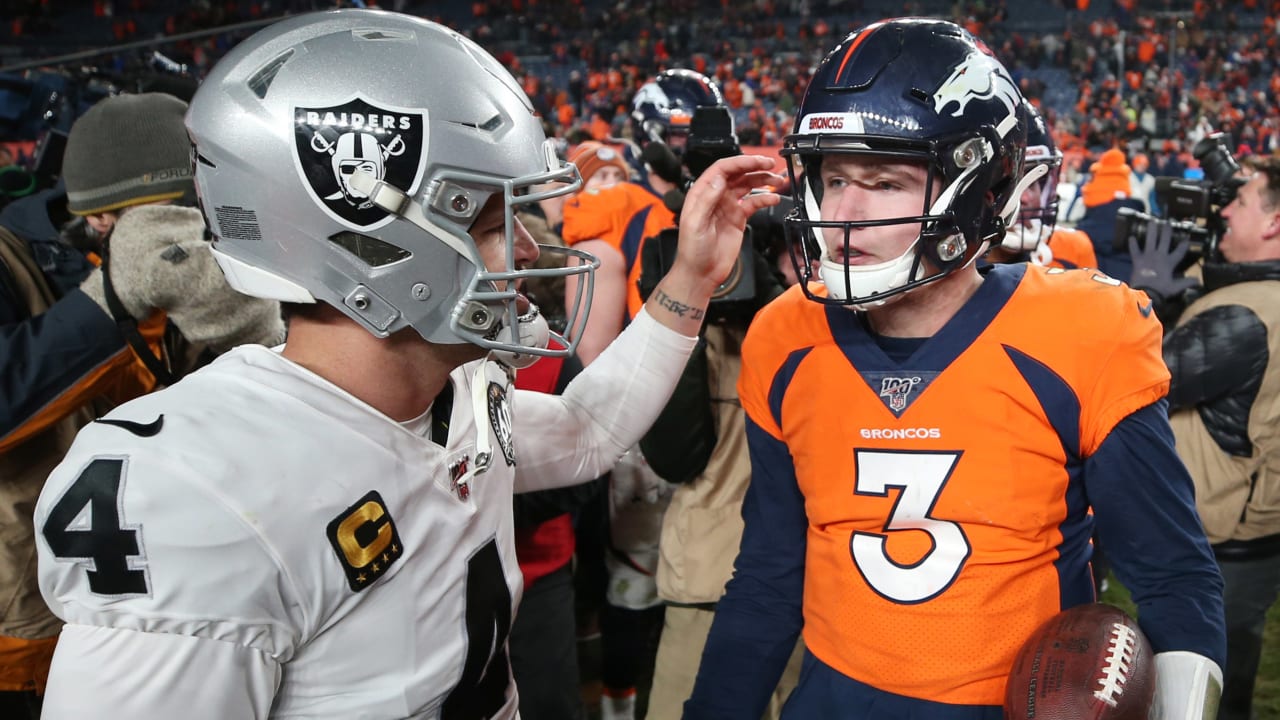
(1145, 309)
(140, 429)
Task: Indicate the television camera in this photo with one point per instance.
(711, 138)
(1193, 208)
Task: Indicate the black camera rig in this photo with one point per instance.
(711, 138)
(1192, 207)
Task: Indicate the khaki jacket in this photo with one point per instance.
(703, 524)
(1238, 497)
(23, 470)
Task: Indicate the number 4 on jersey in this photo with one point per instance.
(97, 538)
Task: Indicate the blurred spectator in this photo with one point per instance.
(1142, 184)
(1104, 193)
(74, 345)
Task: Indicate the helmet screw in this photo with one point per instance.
(479, 318)
(950, 249)
(420, 291)
(361, 302)
(460, 203)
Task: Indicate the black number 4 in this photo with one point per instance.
(485, 675)
(106, 542)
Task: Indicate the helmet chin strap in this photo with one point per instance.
(1023, 237)
(397, 202)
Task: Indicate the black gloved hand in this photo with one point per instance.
(1155, 263)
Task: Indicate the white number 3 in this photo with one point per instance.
(920, 476)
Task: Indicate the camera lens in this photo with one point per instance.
(1219, 166)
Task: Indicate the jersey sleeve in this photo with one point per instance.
(113, 672)
(1144, 505)
(131, 542)
(1126, 346)
(763, 358)
(603, 412)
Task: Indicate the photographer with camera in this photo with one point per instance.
(613, 224)
(1224, 402)
(73, 344)
(699, 440)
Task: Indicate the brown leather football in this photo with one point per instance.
(1090, 662)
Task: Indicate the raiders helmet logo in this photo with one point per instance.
(332, 143)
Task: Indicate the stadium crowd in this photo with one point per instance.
(1157, 75)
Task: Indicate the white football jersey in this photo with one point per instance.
(256, 506)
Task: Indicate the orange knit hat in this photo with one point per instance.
(1110, 179)
(592, 156)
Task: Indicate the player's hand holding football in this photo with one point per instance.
(159, 259)
(712, 221)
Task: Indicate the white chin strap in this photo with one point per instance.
(1023, 237)
(534, 333)
(866, 280)
(1042, 256)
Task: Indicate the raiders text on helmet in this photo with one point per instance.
(341, 157)
(909, 90)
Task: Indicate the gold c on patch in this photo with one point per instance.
(366, 541)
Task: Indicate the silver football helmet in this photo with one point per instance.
(342, 156)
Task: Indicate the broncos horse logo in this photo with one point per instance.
(979, 77)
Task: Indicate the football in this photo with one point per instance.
(1090, 662)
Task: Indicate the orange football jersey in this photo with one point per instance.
(945, 503)
(605, 215)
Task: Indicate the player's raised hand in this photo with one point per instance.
(712, 221)
(716, 210)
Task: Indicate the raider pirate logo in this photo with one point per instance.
(333, 143)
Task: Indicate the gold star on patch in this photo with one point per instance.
(384, 557)
(361, 577)
(376, 568)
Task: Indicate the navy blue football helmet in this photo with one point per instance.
(662, 109)
(1037, 219)
(909, 90)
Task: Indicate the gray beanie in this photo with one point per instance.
(127, 150)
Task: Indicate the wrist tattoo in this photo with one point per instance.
(675, 306)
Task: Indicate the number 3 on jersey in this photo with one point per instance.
(920, 476)
(85, 526)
